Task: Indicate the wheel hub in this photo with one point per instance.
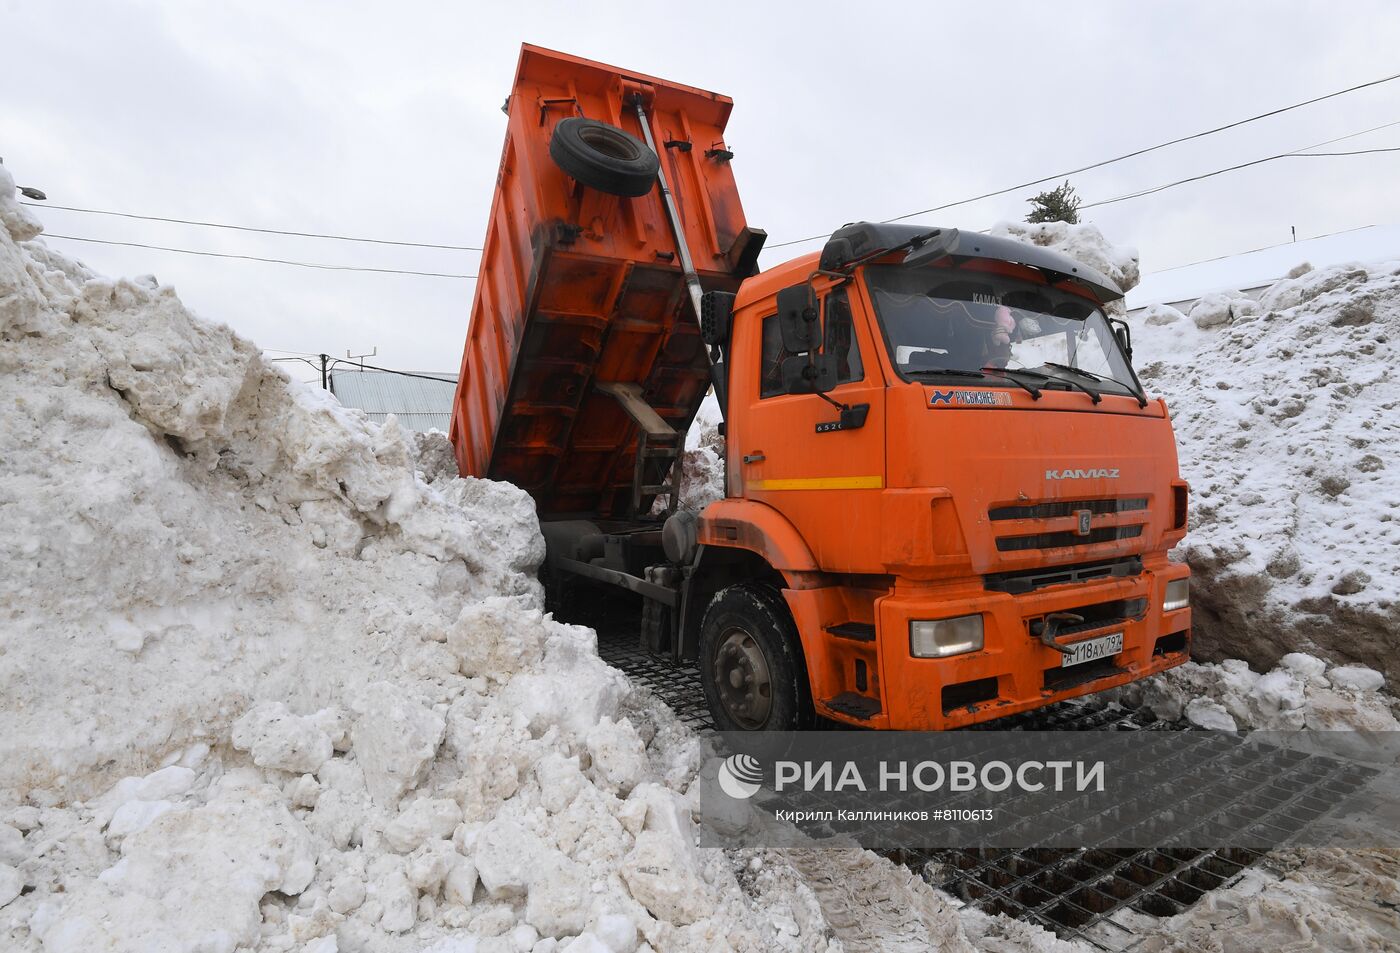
(742, 679)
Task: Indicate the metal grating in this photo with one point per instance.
(1089, 894)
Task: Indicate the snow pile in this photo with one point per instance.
(1303, 692)
(1083, 243)
(263, 688)
(1285, 415)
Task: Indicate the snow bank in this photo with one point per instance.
(262, 687)
(1285, 418)
(1302, 692)
(1285, 414)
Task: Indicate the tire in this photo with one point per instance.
(604, 157)
(748, 629)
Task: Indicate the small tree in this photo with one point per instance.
(1057, 205)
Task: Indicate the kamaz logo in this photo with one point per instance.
(1082, 474)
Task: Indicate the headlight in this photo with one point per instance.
(943, 637)
(1177, 596)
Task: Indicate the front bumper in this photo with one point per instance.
(1015, 671)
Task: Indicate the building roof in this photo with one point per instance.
(419, 404)
(1264, 266)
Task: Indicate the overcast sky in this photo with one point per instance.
(383, 120)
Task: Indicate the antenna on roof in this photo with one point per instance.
(1294, 230)
(361, 357)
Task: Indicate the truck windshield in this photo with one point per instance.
(937, 319)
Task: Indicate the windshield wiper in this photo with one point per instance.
(1141, 399)
(994, 372)
(1068, 382)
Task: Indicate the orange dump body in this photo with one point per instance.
(578, 288)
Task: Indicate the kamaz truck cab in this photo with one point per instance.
(947, 496)
(938, 441)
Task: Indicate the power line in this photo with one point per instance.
(1126, 155)
(1250, 251)
(1295, 154)
(250, 228)
(273, 261)
(386, 370)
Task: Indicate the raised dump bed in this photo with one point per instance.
(582, 320)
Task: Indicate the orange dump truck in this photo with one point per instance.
(948, 498)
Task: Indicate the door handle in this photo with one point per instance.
(754, 457)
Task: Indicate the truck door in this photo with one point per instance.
(791, 451)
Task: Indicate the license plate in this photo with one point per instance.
(1092, 649)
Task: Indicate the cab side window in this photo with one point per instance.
(840, 341)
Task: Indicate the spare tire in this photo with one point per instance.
(604, 157)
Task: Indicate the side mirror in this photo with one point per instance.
(816, 375)
(1124, 335)
(797, 319)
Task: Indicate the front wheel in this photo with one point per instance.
(750, 665)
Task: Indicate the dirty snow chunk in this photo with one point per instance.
(617, 931)
(322, 944)
(429, 865)
(1356, 678)
(1278, 692)
(506, 857)
(619, 757)
(346, 894)
(498, 637)
(11, 883)
(662, 876)
(460, 883)
(588, 943)
(276, 738)
(423, 819)
(12, 849)
(136, 816)
(1210, 715)
(558, 900)
(1220, 308)
(1306, 667)
(1158, 315)
(560, 781)
(400, 902)
(394, 738)
(192, 880)
(573, 703)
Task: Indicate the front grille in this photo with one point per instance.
(1105, 534)
(1100, 616)
(1059, 508)
(1029, 580)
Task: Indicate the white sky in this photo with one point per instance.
(383, 120)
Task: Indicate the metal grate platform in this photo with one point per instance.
(1089, 894)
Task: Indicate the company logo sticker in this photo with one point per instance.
(970, 398)
(739, 776)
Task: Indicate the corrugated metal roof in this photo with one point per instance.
(1264, 266)
(419, 404)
